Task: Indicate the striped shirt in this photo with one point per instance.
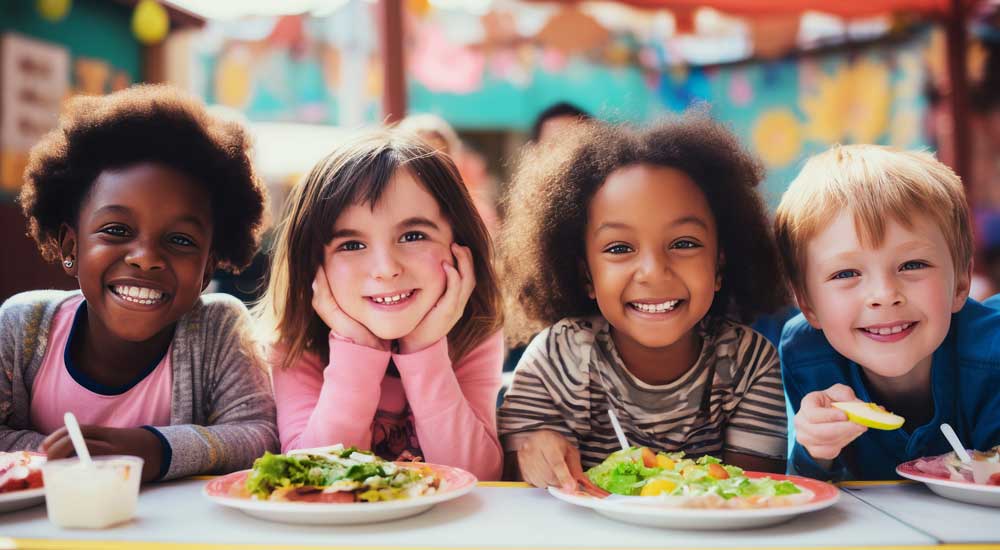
(571, 373)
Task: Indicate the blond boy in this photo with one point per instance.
(878, 246)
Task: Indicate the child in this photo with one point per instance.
(139, 195)
(878, 246)
(384, 309)
(641, 248)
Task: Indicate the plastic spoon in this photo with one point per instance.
(960, 451)
(618, 430)
(76, 436)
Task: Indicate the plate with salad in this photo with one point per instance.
(976, 482)
(337, 486)
(670, 490)
(21, 480)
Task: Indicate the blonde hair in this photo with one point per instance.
(876, 185)
(359, 172)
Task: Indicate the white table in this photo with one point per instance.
(946, 520)
(175, 516)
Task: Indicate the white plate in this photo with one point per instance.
(963, 491)
(16, 500)
(454, 483)
(823, 496)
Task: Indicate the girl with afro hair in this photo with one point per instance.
(641, 252)
(139, 195)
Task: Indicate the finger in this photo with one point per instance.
(452, 291)
(557, 465)
(466, 269)
(53, 437)
(60, 448)
(527, 462)
(832, 432)
(840, 392)
(820, 415)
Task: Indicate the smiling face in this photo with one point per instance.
(384, 262)
(142, 244)
(886, 308)
(652, 253)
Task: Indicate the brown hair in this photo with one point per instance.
(875, 184)
(358, 172)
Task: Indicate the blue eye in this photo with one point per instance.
(913, 264)
(618, 249)
(845, 274)
(412, 236)
(351, 246)
(685, 244)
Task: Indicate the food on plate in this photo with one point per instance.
(984, 468)
(870, 414)
(703, 483)
(20, 470)
(336, 475)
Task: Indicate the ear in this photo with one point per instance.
(802, 301)
(590, 281)
(210, 266)
(68, 250)
(719, 265)
(963, 283)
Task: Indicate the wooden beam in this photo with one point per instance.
(958, 97)
(393, 63)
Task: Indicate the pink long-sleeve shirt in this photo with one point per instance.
(445, 413)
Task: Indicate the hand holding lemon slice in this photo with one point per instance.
(870, 414)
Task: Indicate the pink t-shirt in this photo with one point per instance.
(58, 387)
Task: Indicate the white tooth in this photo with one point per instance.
(155, 294)
(897, 329)
(144, 293)
(133, 291)
(885, 331)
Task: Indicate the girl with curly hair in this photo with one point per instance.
(384, 309)
(642, 251)
(139, 195)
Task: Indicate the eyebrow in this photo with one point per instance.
(119, 209)
(680, 221)
(417, 221)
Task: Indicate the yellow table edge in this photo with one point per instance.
(46, 544)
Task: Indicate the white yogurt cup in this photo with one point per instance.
(92, 497)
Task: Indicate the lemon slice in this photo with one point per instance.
(870, 414)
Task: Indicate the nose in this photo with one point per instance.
(385, 265)
(653, 264)
(884, 291)
(145, 255)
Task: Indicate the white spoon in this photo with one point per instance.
(960, 451)
(76, 436)
(618, 429)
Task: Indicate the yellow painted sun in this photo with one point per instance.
(852, 104)
(777, 137)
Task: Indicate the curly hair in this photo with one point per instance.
(541, 245)
(147, 123)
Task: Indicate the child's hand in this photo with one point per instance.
(449, 307)
(340, 323)
(110, 441)
(547, 459)
(823, 430)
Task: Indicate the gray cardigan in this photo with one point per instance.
(221, 413)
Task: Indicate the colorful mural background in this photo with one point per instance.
(497, 72)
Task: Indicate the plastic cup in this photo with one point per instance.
(92, 497)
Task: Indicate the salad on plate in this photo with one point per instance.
(673, 479)
(335, 475)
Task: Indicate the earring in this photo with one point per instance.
(68, 262)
